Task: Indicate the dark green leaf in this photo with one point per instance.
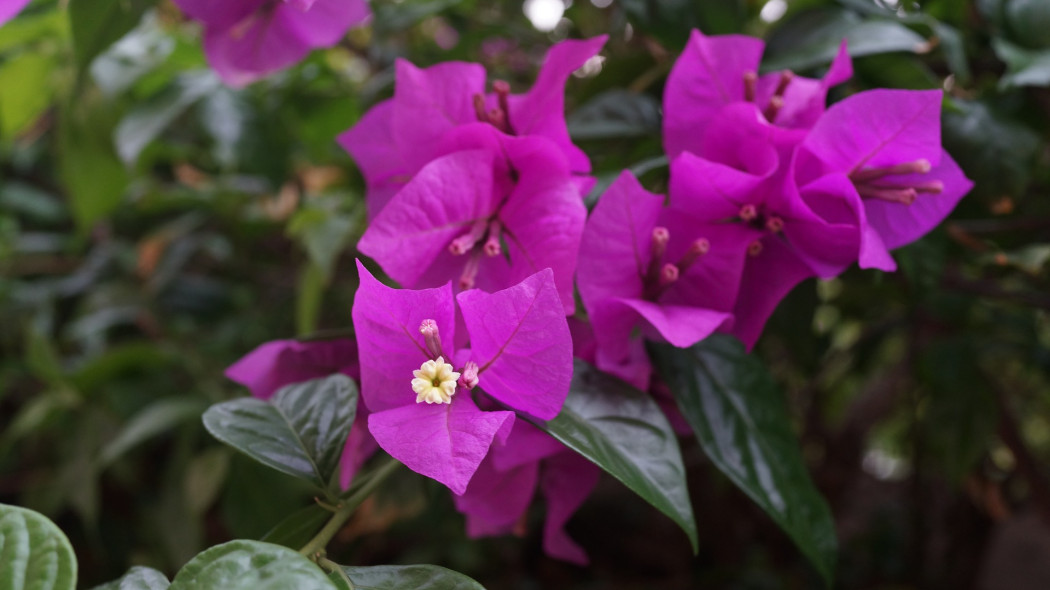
(996, 150)
(416, 577)
(616, 113)
(390, 17)
(250, 565)
(155, 419)
(1029, 21)
(34, 554)
(301, 431)
(672, 20)
(740, 418)
(97, 24)
(623, 431)
(961, 416)
(138, 578)
(813, 39)
(301, 526)
(1024, 67)
(147, 120)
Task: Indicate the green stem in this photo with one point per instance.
(346, 509)
(333, 567)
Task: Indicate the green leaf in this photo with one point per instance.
(250, 565)
(670, 21)
(97, 24)
(1023, 67)
(616, 113)
(301, 431)
(34, 553)
(138, 578)
(960, 415)
(138, 53)
(741, 420)
(1029, 21)
(28, 28)
(391, 17)
(813, 38)
(324, 231)
(416, 577)
(25, 91)
(624, 432)
(155, 419)
(998, 150)
(146, 121)
(301, 526)
(93, 176)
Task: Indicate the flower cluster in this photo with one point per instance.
(476, 209)
(767, 188)
(245, 40)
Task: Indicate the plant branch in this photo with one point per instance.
(346, 508)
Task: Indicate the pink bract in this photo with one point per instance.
(517, 339)
(245, 40)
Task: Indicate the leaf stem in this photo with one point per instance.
(346, 508)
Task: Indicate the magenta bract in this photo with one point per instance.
(245, 40)
(517, 350)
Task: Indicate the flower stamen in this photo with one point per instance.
(429, 329)
(434, 382)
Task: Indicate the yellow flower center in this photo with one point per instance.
(435, 382)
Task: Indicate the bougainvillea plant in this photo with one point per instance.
(521, 324)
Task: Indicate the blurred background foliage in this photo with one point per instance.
(156, 225)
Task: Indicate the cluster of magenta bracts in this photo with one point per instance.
(476, 208)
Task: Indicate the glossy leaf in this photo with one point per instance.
(813, 38)
(138, 578)
(301, 431)
(250, 565)
(623, 431)
(416, 577)
(741, 421)
(34, 553)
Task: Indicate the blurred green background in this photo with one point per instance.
(156, 225)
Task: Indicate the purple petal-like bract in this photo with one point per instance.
(10, 8)
(399, 136)
(273, 365)
(387, 324)
(518, 339)
(521, 342)
(505, 484)
(445, 442)
(616, 285)
(711, 74)
(874, 130)
(245, 40)
(520, 185)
